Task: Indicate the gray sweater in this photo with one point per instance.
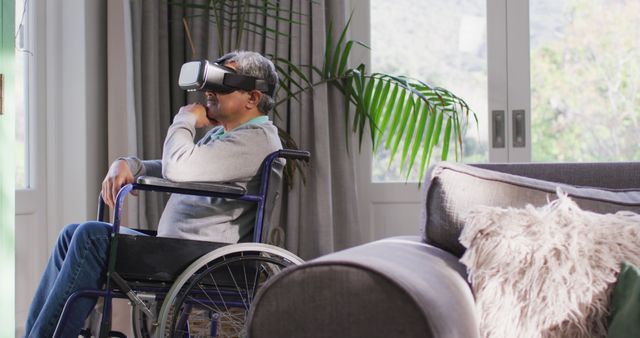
(234, 156)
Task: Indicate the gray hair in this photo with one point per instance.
(258, 66)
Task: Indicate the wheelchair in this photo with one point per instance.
(189, 288)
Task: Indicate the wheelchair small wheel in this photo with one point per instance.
(142, 326)
(212, 297)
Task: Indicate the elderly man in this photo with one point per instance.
(232, 151)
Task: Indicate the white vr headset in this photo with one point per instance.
(205, 76)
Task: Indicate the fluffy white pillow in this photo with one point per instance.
(548, 271)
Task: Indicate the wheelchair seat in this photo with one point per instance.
(158, 259)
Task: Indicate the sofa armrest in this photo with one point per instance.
(397, 287)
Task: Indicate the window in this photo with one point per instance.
(444, 45)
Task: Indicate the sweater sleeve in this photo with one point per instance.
(235, 157)
(143, 167)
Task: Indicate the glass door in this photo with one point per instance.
(443, 43)
(550, 80)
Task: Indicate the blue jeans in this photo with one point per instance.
(78, 261)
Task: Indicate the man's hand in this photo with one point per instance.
(201, 114)
(118, 176)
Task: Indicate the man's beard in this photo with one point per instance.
(212, 107)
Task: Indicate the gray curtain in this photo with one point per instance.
(319, 216)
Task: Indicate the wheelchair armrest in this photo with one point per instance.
(189, 188)
(148, 232)
(295, 154)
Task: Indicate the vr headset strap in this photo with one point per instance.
(247, 83)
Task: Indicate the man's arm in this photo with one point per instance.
(143, 167)
(232, 158)
(124, 171)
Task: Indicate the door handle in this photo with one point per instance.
(497, 118)
(519, 132)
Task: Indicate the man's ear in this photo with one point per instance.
(254, 98)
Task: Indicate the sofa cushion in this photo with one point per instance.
(624, 316)
(548, 271)
(452, 189)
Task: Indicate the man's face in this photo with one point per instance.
(223, 107)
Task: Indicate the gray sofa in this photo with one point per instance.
(415, 286)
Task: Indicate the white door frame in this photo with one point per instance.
(518, 80)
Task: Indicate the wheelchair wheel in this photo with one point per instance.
(212, 297)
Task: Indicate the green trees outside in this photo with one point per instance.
(585, 84)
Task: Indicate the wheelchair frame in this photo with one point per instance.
(190, 188)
